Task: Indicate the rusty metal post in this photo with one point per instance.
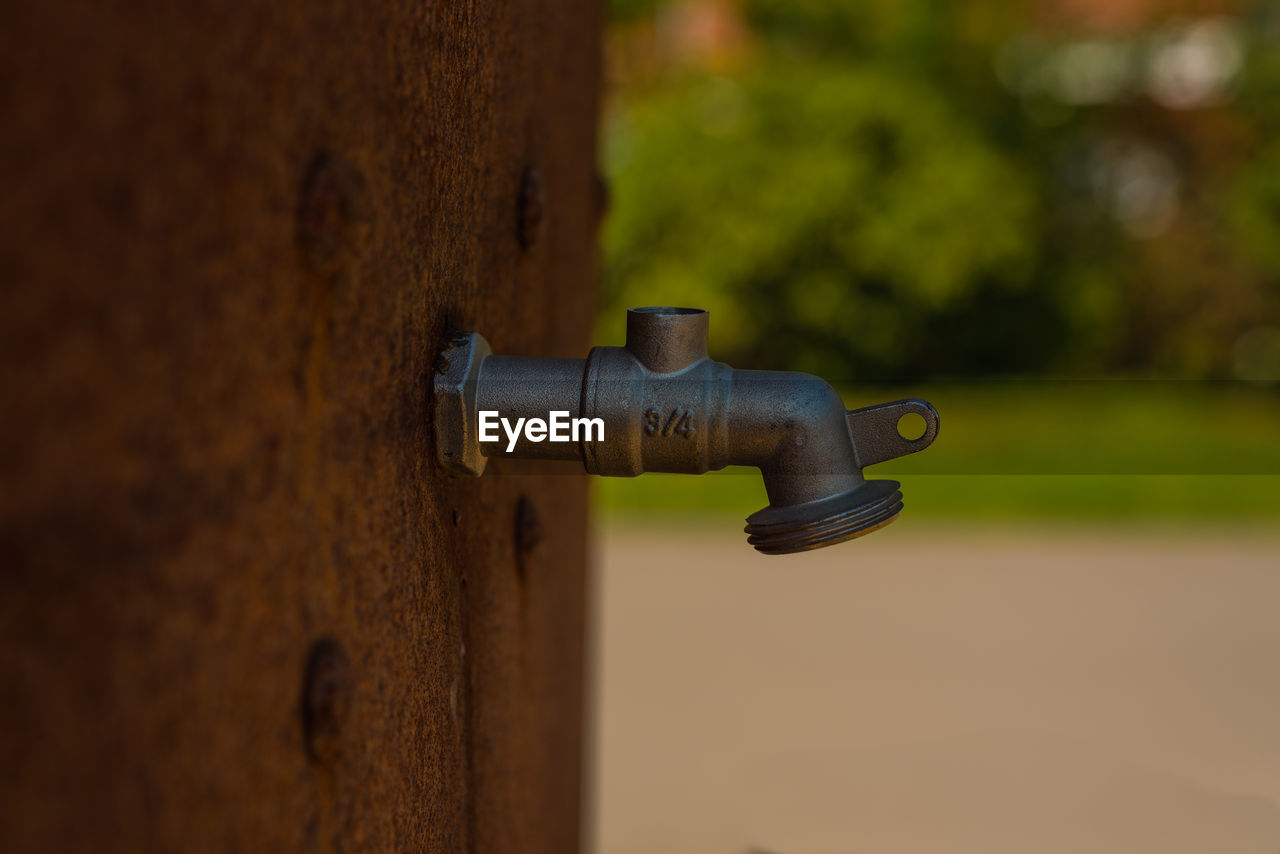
(243, 609)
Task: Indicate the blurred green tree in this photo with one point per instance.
(909, 188)
(846, 213)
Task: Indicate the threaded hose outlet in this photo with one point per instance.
(815, 524)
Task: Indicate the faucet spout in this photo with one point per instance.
(662, 405)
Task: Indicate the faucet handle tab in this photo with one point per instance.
(877, 432)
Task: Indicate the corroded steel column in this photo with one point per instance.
(244, 610)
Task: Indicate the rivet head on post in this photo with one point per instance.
(326, 700)
(332, 210)
(531, 208)
(528, 533)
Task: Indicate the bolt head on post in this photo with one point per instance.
(457, 378)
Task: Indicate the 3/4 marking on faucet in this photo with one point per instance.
(679, 421)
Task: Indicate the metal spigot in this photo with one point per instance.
(660, 404)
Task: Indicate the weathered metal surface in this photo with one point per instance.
(665, 406)
(243, 610)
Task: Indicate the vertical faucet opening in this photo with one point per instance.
(666, 339)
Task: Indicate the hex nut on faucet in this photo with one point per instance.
(665, 406)
(457, 445)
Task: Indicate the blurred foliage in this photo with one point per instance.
(909, 188)
(823, 174)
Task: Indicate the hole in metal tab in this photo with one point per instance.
(912, 427)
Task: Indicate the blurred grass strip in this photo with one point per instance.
(1087, 450)
(1183, 497)
(1094, 427)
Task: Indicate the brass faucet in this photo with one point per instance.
(660, 404)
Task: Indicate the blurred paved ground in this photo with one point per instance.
(1022, 691)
